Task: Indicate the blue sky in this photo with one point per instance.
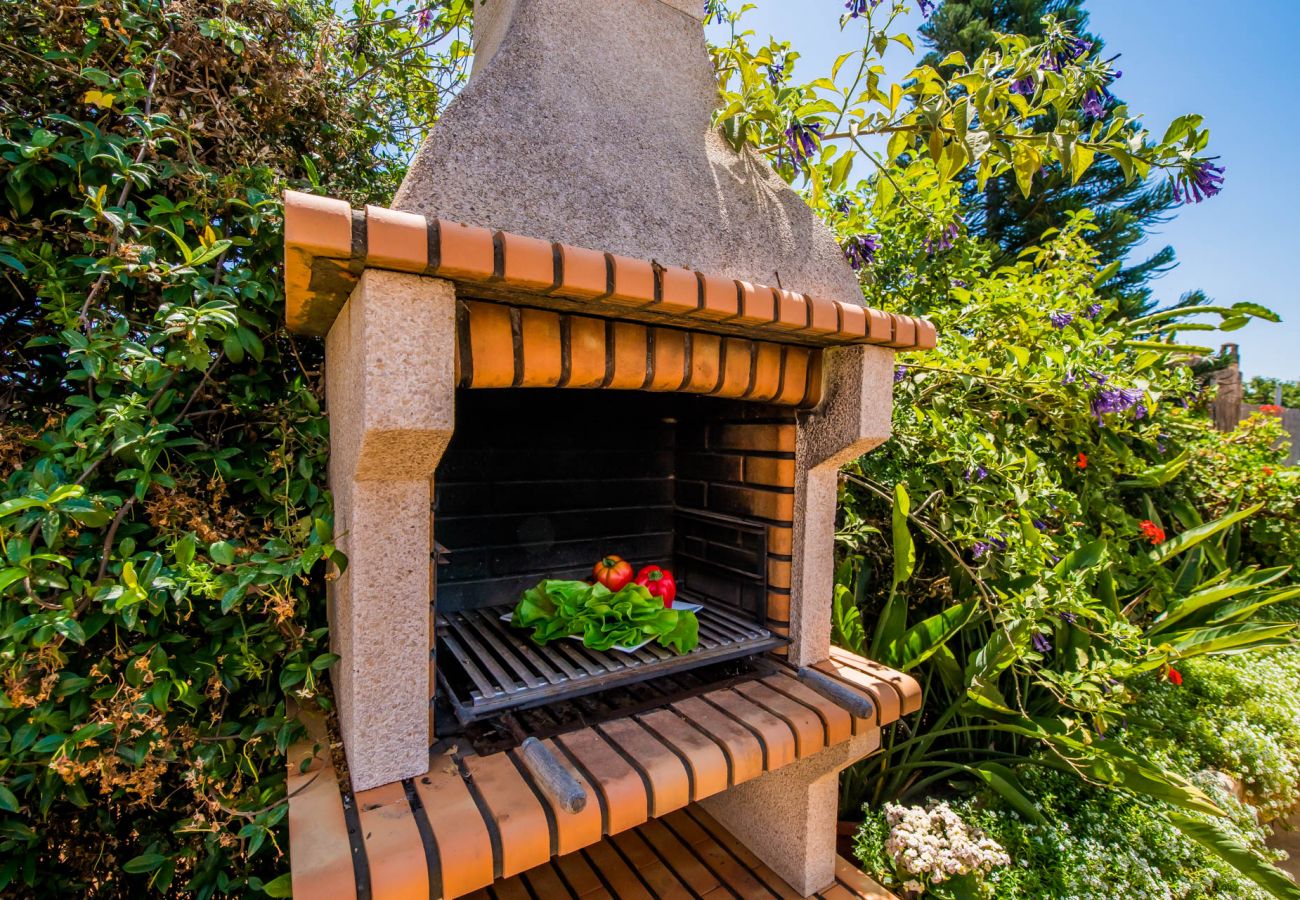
(1232, 63)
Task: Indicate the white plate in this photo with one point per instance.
(680, 605)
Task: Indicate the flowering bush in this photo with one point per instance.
(931, 847)
(1046, 543)
(1248, 466)
(1092, 845)
(1239, 716)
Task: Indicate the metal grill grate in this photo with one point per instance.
(485, 666)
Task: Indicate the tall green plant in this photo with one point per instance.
(1040, 574)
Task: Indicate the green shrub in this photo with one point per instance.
(1247, 466)
(1097, 845)
(1237, 715)
(164, 522)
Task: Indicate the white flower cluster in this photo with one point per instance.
(931, 844)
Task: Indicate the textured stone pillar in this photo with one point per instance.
(853, 418)
(788, 817)
(390, 387)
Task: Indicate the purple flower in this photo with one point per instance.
(1115, 400)
(980, 548)
(715, 11)
(424, 19)
(842, 204)
(1040, 524)
(803, 141)
(1061, 319)
(775, 72)
(1069, 377)
(1023, 86)
(1205, 182)
(1094, 310)
(1072, 49)
(1041, 643)
(979, 473)
(958, 283)
(900, 373)
(1077, 46)
(859, 7)
(1068, 617)
(1093, 104)
(861, 250)
(925, 6)
(943, 242)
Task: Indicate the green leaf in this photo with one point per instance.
(1181, 609)
(280, 886)
(1107, 273)
(18, 504)
(1246, 308)
(1003, 780)
(70, 629)
(222, 553)
(1080, 159)
(1157, 476)
(1231, 850)
(1081, 558)
(1224, 638)
(9, 576)
(145, 862)
(8, 802)
(1193, 536)
(924, 639)
(904, 548)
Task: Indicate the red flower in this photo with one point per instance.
(1174, 675)
(1154, 533)
(1083, 460)
(1267, 470)
(1271, 409)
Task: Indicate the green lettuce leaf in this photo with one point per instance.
(556, 609)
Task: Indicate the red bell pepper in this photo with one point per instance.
(659, 582)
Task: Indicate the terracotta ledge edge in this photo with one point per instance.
(328, 244)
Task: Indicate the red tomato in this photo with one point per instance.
(659, 582)
(614, 572)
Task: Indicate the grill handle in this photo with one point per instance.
(840, 694)
(552, 777)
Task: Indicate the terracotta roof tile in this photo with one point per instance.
(327, 245)
(464, 251)
(527, 262)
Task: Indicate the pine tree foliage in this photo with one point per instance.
(1124, 213)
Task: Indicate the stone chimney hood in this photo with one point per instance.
(589, 122)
